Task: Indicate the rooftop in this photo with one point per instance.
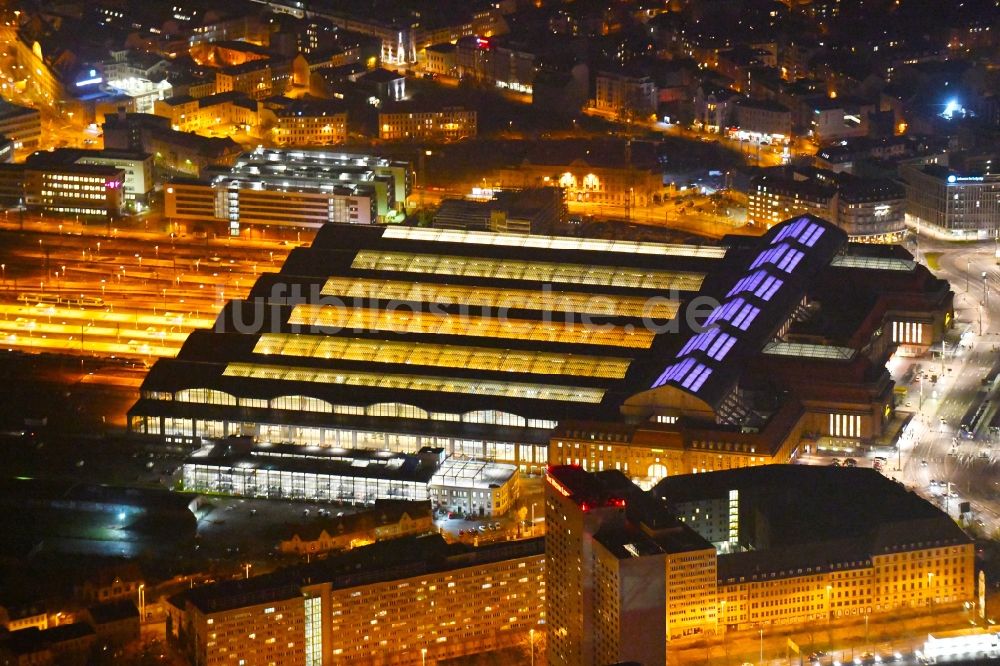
(383, 561)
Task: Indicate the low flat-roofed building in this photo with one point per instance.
(353, 475)
(116, 624)
(68, 644)
(22, 125)
(408, 600)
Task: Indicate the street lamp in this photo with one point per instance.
(761, 646)
(142, 602)
(423, 656)
(531, 642)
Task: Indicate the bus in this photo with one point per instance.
(990, 379)
(974, 416)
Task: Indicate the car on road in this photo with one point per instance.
(850, 462)
(923, 463)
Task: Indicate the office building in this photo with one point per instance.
(630, 572)
(302, 189)
(405, 121)
(949, 204)
(22, 125)
(412, 601)
(137, 167)
(88, 190)
(495, 348)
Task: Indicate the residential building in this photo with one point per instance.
(259, 79)
(625, 94)
(306, 123)
(764, 121)
(216, 114)
(870, 210)
(774, 198)
(441, 59)
(411, 601)
(416, 122)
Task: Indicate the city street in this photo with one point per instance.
(935, 393)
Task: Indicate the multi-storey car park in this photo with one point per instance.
(494, 346)
(301, 189)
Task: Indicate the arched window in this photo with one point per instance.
(494, 417)
(205, 396)
(396, 409)
(301, 403)
(657, 472)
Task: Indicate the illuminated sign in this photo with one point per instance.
(881, 211)
(94, 78)
(563, 490)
